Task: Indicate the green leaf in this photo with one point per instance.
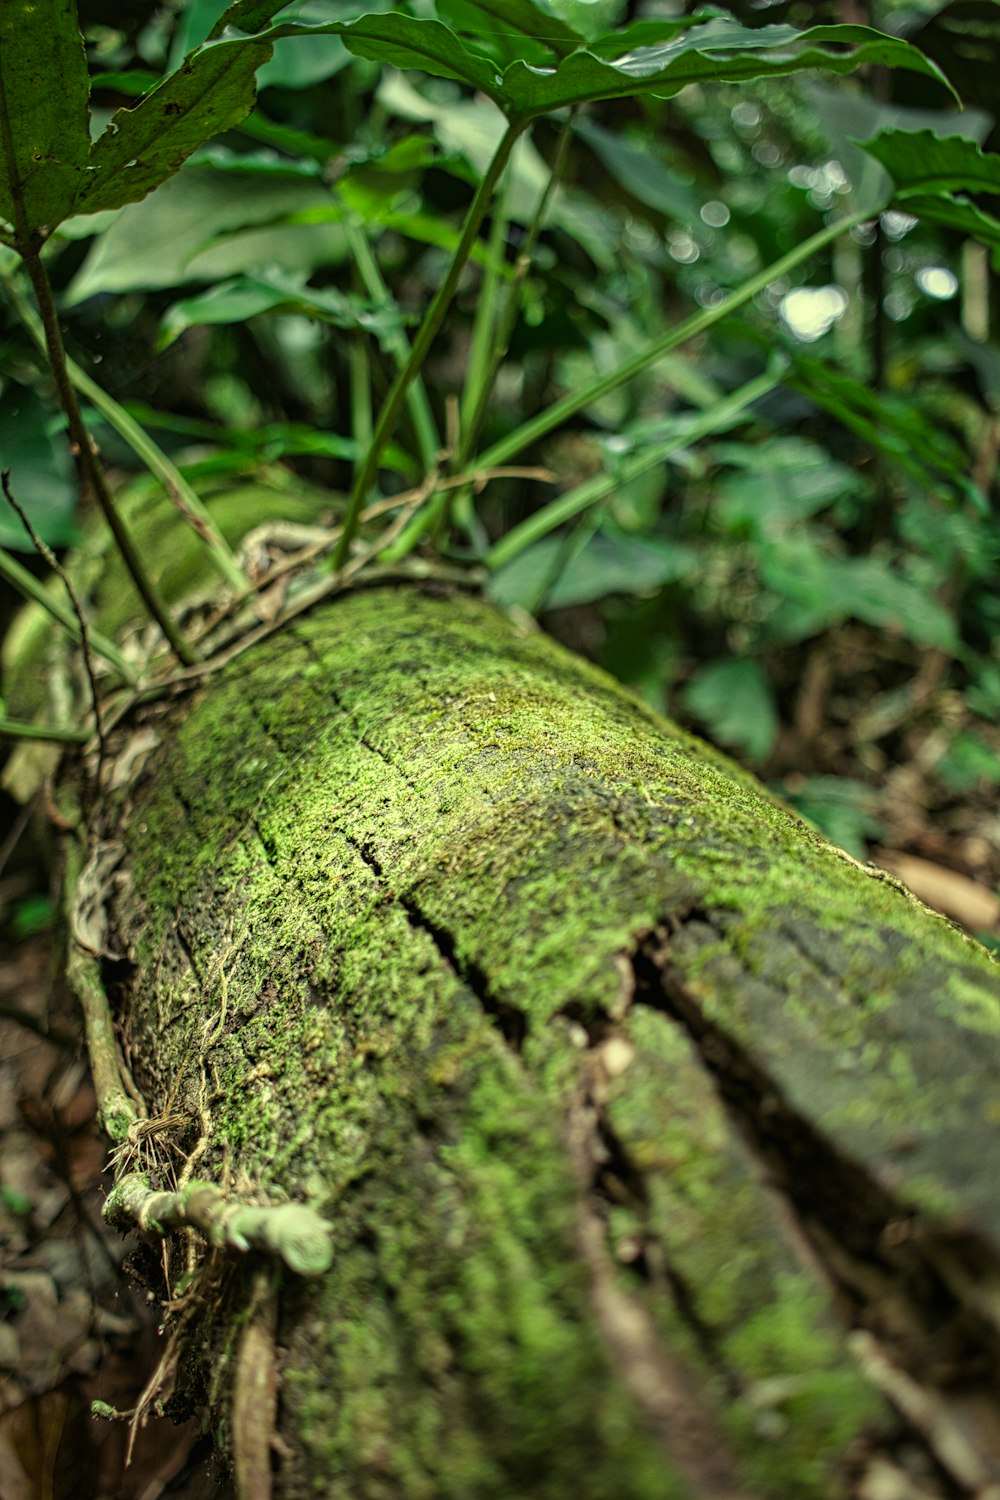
(514, 20)
(720, 51)
(968, 761)
(928, 169)
(212, 90)
(249, 296)
(206, 224)
(817, 591)
(36, 451)
(717, 52)
(44, 139)
(921, 161)
(639, 172)
(956, 213)
(783, 483)
(734, 700)
(842, 809)
(546, 576)
(405, 42)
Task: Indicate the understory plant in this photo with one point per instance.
(496, 374)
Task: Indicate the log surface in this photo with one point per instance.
(659, 1138)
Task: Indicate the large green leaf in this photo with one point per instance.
(211, 91)
(550, 576)
(640, 173)
(818, 591)
(514, 21)
(718, 51)
(405, 42)
(957, 213)
(205, 224)
(44, 140)
(923, 161)
(928, 169)
(35, 449)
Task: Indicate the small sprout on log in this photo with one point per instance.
(108, 1413)
(292, 1231)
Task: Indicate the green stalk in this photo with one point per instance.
(514, 298)
(529, 432)
(398, 344)
(592, 491)
(28, 585)
(361, 391)
(433, 318)
(484, 325)
(22, 729)
(142, 445)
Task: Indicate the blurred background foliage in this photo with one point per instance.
(814, 589)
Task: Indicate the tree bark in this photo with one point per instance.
(658, 1138)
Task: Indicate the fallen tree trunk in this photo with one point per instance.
(657, 1137)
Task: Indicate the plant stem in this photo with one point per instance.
(602, 485)
(484, 325)
(433, 318)
(553, 416)
(398, 344)
(85, 451)
(23, 729)
(156, 461)
(515, 296)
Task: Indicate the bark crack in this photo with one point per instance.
(900, 1281)
(665, 1389)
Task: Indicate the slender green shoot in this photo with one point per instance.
(23, 729)
(427, 332)
(529, 432)
(359, 366)
(484, 324)
(30, 588)
(601, 486)
(146, 450)
(514, 297)
(417, 401)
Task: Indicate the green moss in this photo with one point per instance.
(382, 869)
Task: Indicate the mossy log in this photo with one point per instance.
(658, 1138)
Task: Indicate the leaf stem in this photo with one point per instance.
(553, 416)
(433, 318)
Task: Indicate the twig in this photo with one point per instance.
(88, 661)
(293, 1231)
(116, 1109)
(408, 501)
